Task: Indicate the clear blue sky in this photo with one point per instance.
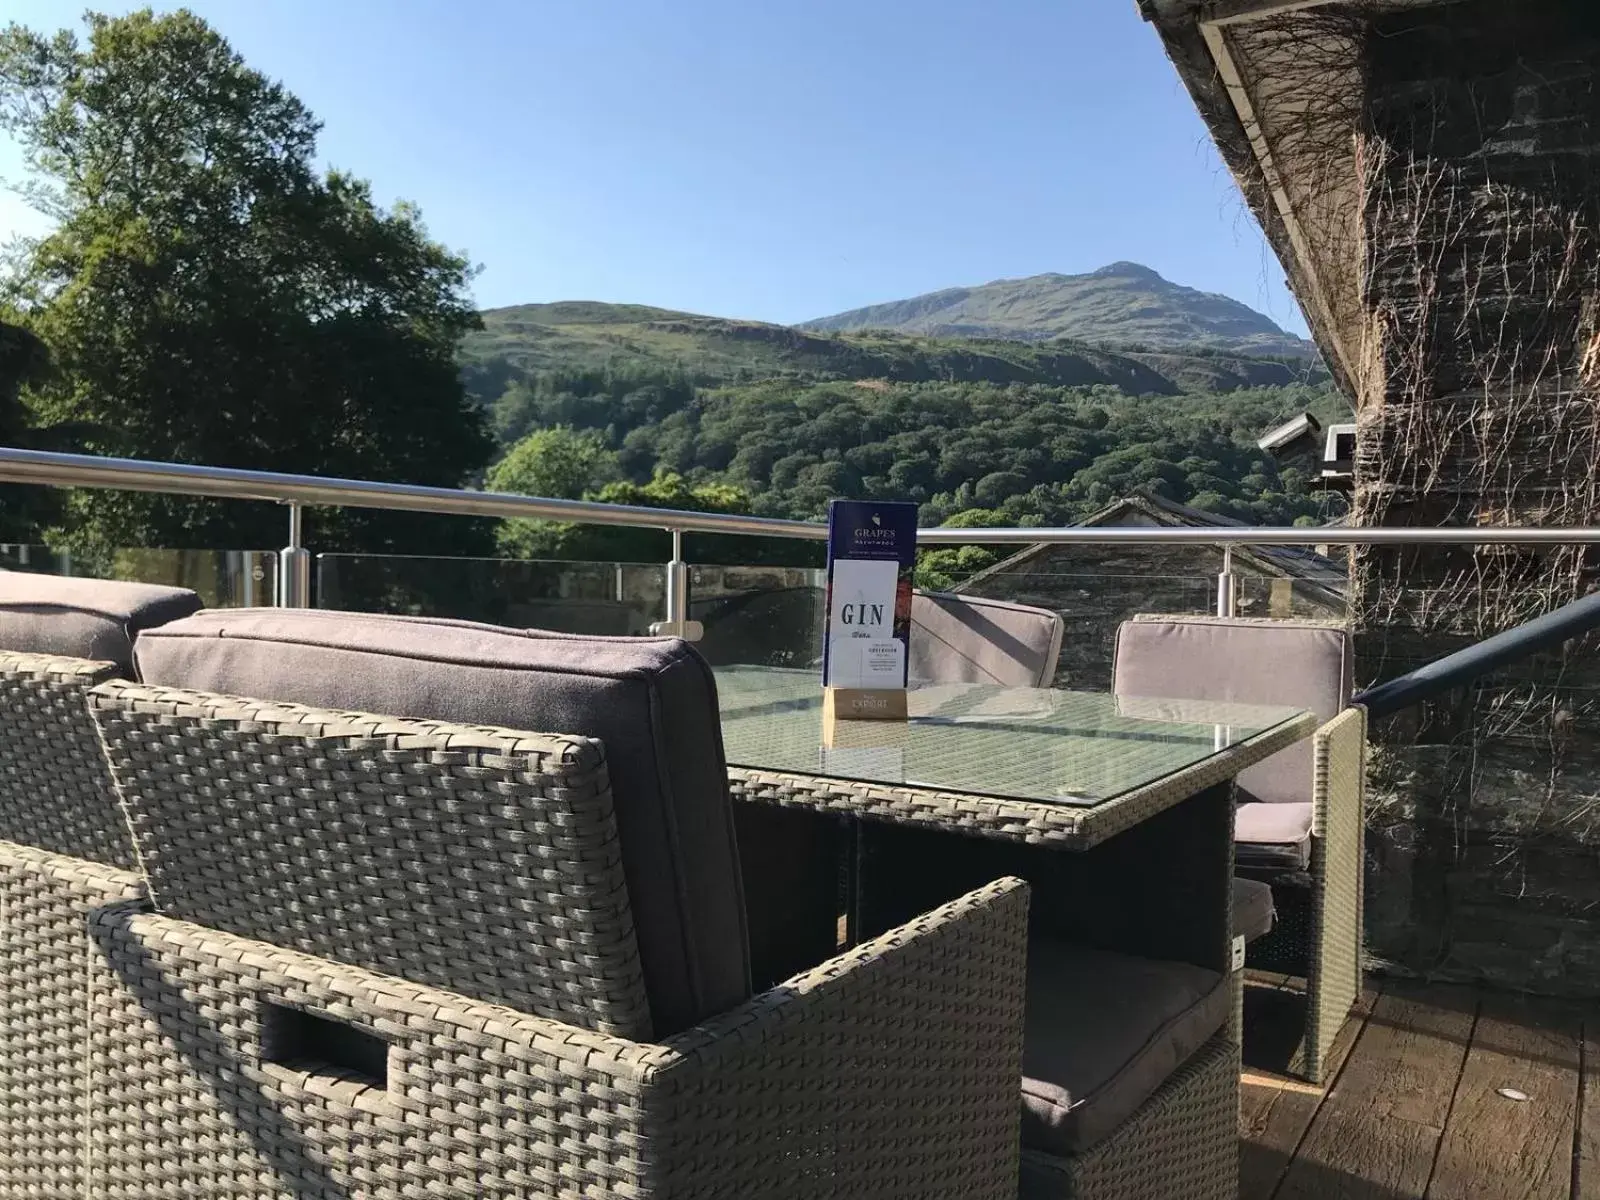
(757, 159)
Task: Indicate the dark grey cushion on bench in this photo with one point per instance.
(84, 618)
(1104, 1031)
(1253, 909)
(651, 701)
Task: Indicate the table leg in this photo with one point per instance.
(855, 870)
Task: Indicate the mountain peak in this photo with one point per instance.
(1122, 304)
(1127, 270)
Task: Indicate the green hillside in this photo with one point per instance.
(521, 342)
(1123, 304)
(648, 406)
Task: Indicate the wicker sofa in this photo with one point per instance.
(1301, 818)
(428, 954)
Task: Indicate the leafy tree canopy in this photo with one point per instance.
(208, 296)
(23, 359)
(561, 463)
(568, 464)
(972, 454)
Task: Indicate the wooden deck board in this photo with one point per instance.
(1586, 1185)
(1413, 1113)
(1376, 1131)
(1273, 1118)
(1509, 1149)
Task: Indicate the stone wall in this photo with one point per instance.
(1481, 177)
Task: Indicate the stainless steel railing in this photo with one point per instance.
(297, 492)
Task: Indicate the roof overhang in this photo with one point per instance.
(1280, 84)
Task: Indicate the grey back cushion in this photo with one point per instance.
(969, 639)
(651, 701)
(1293, 663)
(96, 619)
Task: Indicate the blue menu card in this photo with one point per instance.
(872, 551)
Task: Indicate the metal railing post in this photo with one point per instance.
(1227, 586)
(678, 623)
(294, 565)
(677, 584)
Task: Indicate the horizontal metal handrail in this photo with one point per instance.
(231, 483)
(1454, 670)
(1264, 535)
(83, 470)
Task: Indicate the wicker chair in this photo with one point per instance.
(970, 639)
(1301, 815)
(546, 1039)
(457, 1004)
(64, 852)
(1182, 1142)
(1254, 915)
(281, 1075)
(56, 793)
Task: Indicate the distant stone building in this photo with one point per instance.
(1096, 588)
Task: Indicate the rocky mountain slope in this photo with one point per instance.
(1123, 304)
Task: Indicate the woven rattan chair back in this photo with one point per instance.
(476, 859)
(55, 790)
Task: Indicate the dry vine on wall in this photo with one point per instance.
(1447, 163)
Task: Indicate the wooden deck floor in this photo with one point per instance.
(1414, 1111)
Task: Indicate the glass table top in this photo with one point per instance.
(1073, 748)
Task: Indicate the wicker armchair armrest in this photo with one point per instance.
(1338, 785)
(1338, 851)
(890, 1071)
(44, 949)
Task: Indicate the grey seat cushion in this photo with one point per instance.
(84, 618)
(1103, 1031)
(969, 639)
(1253, 910)
(1273, 835)
(1295, 663)
(651, 701)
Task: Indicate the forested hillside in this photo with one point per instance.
(520, 342)
(608, 400)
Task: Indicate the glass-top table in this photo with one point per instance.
(1073, 749)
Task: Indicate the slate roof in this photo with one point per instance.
(1301, 563)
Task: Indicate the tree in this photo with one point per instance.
(559, 463)
(23, 358)
(942, 568)
(668, 489)
(208, 296)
